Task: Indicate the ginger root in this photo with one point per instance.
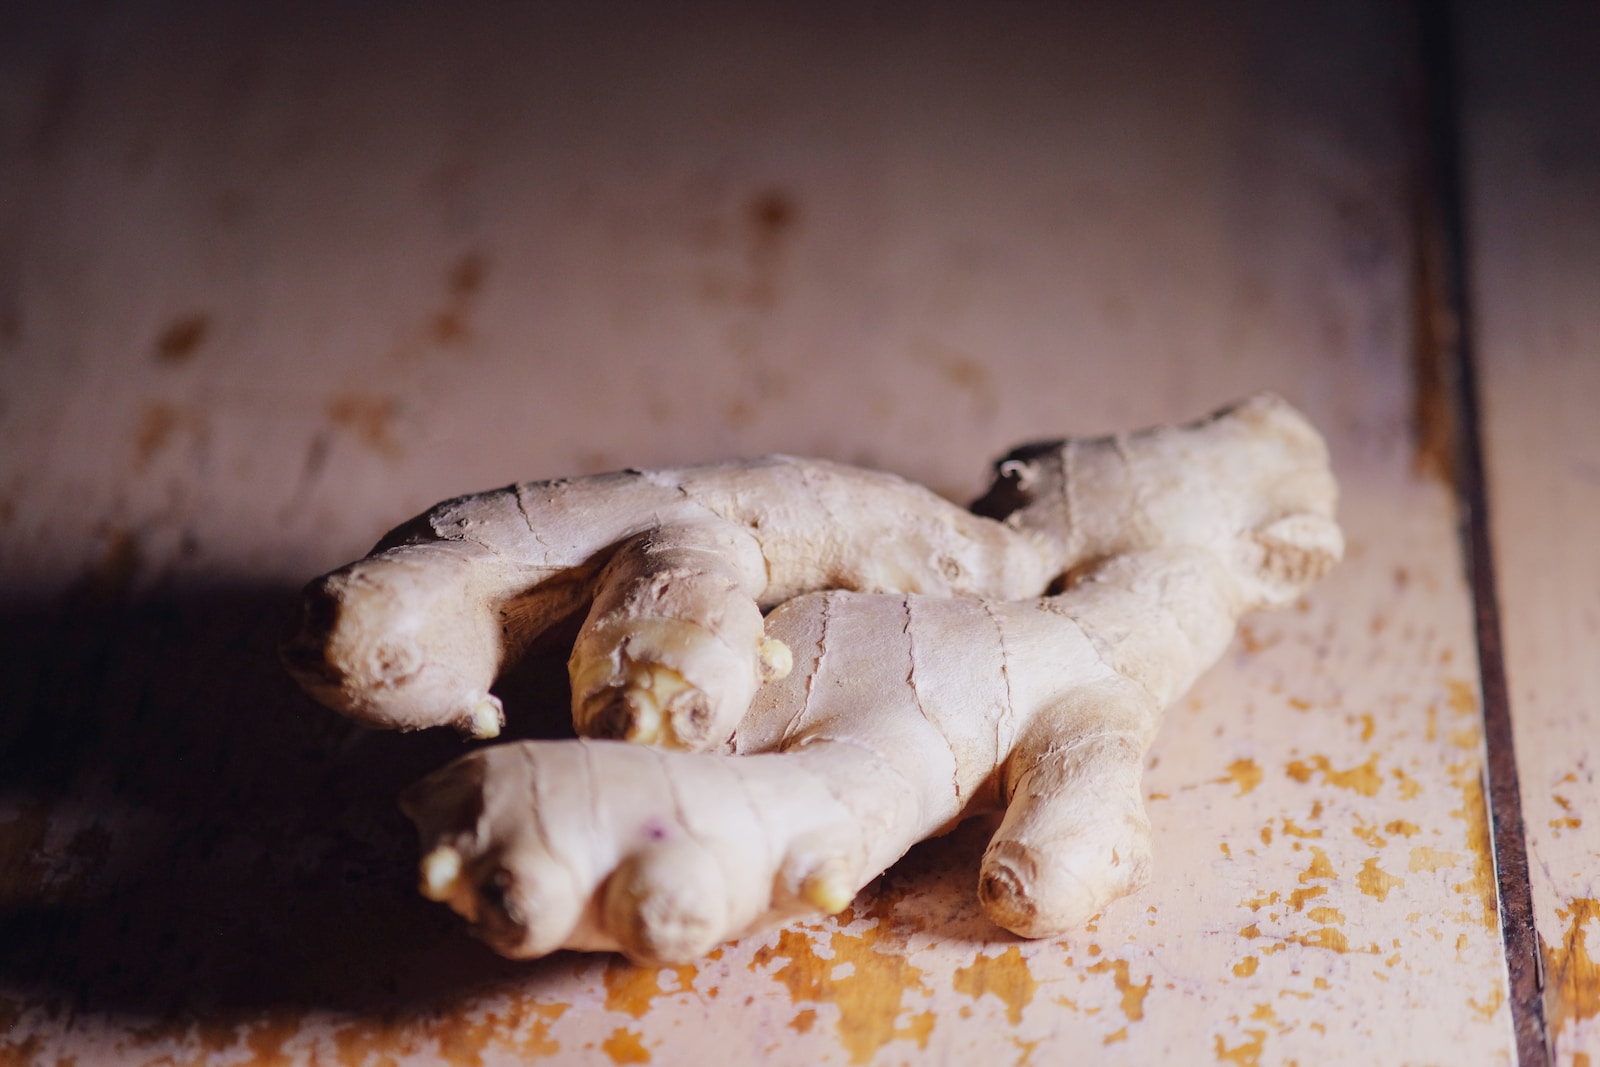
(905, 713)
(675, 569)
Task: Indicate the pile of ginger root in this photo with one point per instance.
(791, 671)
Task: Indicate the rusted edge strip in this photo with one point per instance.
(1445, 258)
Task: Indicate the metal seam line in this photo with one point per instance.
(1444, 223)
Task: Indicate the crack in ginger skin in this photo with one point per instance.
(902, 713)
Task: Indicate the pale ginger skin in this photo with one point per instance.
(675, 567)
(907, 713)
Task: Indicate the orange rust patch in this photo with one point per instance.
(625, 1046)
(1475, 813)
(1246, 967)
(631, 989)
(1260, 901)
(1132, 995)
(804, 1021)
(458, 1040)
(1293, 830)
(1376, 882)
(369, 418)
(1463, 699)
(1244, 773)
(1486, 1010)
(1320, 867)
(1322, 937)
(1325, 915)
(1428, 859)
(1401, 827)
(1251, 932)
(1364, 779)
(1245, 1055)
(1006, 976)
(1115, 1036)
(870, 999)
(1572, 989)
(1369, 834)
(1298, 898)
(1409, 786)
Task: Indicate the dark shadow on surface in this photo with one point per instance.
(197, 839)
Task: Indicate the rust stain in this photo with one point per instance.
(1323, 937)
(1006, 976)
(625, 1046)
(1132, 995)
(1462, 698)
(370, 418)
(1486, 1011)
(451, 324)
(803, 1021)
(458, 1039)
(1246, 1055)
(1115, 1036)
(1260, 900)
(266, 1040)
(632, 989)
(1572, 988)
(1246, 967)
(1428, 859)
(1320, 867)
(1475, 813)
(159, 424)
(1376, 882)
(1326, 916)
(1364, 779)
(1369, 834)
(1401, 827)
(1251, 932)
(1409, 786)
(1298, 898)
(181, 339)
(1244, 773)
(1367, 727)
(1435, 331)
(1291, 829)
(870, 999)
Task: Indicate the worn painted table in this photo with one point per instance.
(273, 280)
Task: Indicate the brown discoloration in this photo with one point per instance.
(1244, 773)
(804, 1021)
(1246, 967)
(1428, 859)
(1247, 1054)
(1132, 995)
(1006, 976)
(1319, 868)
(1376, 882)
(1475, 813)
(1298, 898)
(625, 1046)
(160, 423)
(1364, 779)
(632, 989)
(181, 339)
(870, 999)
(370, 419)
(1572, 983)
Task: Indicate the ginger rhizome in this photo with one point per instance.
(904, 713)
(674, 568)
